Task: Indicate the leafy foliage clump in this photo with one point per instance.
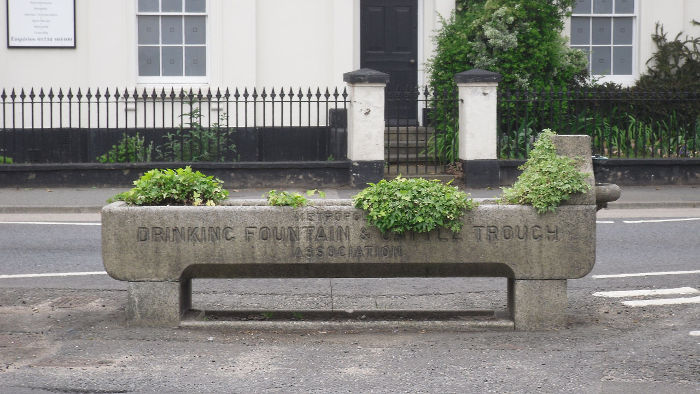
(130, 149)
(417, 205)
(520, 39)
(547, 179)
(194, 142)
(174, 187)
(5, 160)
(288, 199)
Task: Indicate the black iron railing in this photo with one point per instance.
(623, 123)
(57, 125)
(421, 131)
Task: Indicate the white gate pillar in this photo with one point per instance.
(478, 127)
(366, 124)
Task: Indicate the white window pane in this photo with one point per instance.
(600, 61)
(624, 6)
(622, 60)
(195, 6)
(195, 30)
(148, 30)
(172, 6)
(582, 7)
(580, 30)
(195, 61)
(602, 6)
(601, 31)
(172, 29)
(148, 5)
(149, 61)
(622, 33)
(172, 61)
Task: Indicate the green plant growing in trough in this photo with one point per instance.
(547, 179)
(417, 205)
(290, 199)
(5, 160)
(174, 187)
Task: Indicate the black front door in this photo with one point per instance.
(388, 43)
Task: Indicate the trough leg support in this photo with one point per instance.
(537, 304)
(158, 303)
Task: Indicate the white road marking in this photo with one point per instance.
(659, 220)
(55, 274)
(663, 301)
(642, 293)
(695, 333)
(646, 274)
(605, 221)
(64, 223)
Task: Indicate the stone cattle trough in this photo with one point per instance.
(160, 249)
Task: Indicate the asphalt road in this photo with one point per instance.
(634, 324)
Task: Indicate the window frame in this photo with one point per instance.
(172, 79)
(624, 79)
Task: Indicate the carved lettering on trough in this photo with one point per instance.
(185, 234)
(492, 233)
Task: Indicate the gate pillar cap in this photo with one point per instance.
(477, 75)
(366, 75)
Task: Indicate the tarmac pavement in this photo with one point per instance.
(73, 338)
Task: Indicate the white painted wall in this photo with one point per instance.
(258, 43)
(674, 15)
(296, 43)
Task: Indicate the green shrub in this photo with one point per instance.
(130, 149)
(417, 205)
(296, 200)
(520, 39)
(194, 142)
(547, 179)
(5, 160)
(174, 187)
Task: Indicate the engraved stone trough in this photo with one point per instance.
(160, 249)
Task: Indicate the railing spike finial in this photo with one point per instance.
(31, 94)
(107, 96)
(41, 93)
(13, 95)
(3, 96)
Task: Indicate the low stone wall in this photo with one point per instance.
(626, 172)
(235, 175)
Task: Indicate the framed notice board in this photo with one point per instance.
(40, 23)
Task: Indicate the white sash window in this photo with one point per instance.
(605, 30)
(172, 40)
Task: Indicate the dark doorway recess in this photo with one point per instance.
(388, 43)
